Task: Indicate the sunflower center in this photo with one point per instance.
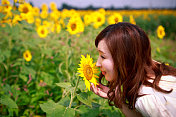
(42, 31)
(99, 19)
(25, 10)
(7, 6)
(160, 32)
(73, 27)
(116, 20)
(27, 56)
(88, 73)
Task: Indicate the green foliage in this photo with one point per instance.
(84, 98)
(53, 109)
(48, 84)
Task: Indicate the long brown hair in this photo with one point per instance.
(131, 52)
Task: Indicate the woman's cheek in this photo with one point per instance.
(108, 67)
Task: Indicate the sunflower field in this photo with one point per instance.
(47, 56)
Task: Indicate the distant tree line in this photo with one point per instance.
(91, 7)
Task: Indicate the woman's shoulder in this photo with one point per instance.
(158, 103)
(154, 106)
(168, 82)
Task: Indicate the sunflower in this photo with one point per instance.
(160, 31)
(16, 19)
(36, 11)
(44, 14)
(88, 70)
(37, 22)
(53, 6)
(58, 28)
(54, 15)
(75, 25)
(27, 55)
(115, 18)
(87, 19)
(30, 18)
(25, 8)
(98, 19)
(42, 31)
(44, 7)
(132, 20)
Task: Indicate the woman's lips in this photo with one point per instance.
(103, 72)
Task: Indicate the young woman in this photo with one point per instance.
(137, 84)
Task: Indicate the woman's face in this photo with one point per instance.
(105, 61)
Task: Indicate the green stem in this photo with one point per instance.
(67, 48)
(73, 93)
(66, 59)
(40, 65)
(8, 60)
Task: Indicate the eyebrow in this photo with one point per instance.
(101, 51)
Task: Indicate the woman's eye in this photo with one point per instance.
(102, 57)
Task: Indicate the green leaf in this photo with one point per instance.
(6, 53)
(65, 101)
(28, 70)
(53, 109)
(69, 42)
(2, 58)
(82, 109)
(65, 85)
(47, 78)
(83, 97)
(47, 51)
(82, 85)
(85, 111)
(69, 112)
(1, 16)
(112, 113)
(5, 100)
(23, 77)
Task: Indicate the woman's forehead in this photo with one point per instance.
(102, 47)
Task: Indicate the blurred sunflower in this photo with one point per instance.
(160, 32)
(102, 11)
(42, 31)
(36, 11)
(75, 25)
(132, 20)
(6, 6)
(44, 14)
(115, 18)
(54, 15)
(37, 22)
(30, 18)
(25, 8)
(87, 19)
(58, 28)
(98, 19)
(5, 2)
(16, 19)
(53, 6)
(27, 55)
(44, 7)
(88, 70)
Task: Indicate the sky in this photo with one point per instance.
(109, 3)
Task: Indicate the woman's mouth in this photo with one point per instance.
(103, 72)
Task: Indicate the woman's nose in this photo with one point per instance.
(98, 64)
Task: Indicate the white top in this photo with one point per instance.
(158, 104)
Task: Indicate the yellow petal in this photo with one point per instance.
(87, 83)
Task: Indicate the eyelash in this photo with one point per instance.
(102, 57)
